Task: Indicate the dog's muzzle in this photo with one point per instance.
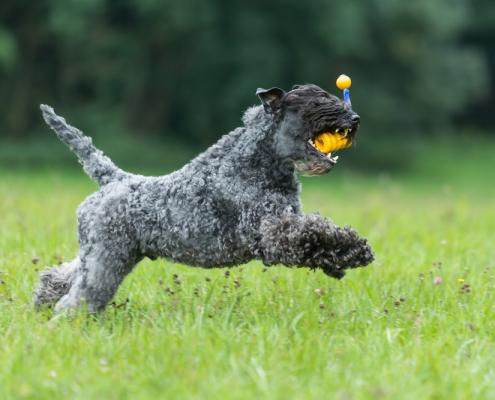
(319, 150)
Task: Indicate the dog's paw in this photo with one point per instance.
(334, 273)
(365, 254)
(334, 261)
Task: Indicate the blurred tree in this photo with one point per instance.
(188, 68)
(481, 33)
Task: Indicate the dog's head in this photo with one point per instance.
(305, 114)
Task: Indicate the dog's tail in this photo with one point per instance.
(99, 167)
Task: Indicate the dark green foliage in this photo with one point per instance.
(187, 69)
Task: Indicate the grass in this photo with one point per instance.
(383, 332)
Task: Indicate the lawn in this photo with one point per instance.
(387, 331)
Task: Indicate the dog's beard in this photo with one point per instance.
(313, 167)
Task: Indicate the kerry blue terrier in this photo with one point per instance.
(237, 201)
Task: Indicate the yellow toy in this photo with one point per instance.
(332, 141)
(328, 142)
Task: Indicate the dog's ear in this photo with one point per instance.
(271, 99)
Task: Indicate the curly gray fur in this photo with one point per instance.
(55, 283)
(236, 202)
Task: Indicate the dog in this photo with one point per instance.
(236, 202)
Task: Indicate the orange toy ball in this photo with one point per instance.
(343, 82)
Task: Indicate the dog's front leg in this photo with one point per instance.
(314, 242)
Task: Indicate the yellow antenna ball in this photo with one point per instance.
(343, 82)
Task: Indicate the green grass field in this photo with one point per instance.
(383, 332)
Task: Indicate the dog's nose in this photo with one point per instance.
(355, 118)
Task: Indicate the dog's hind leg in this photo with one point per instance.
(56, 282)
(102, 270)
